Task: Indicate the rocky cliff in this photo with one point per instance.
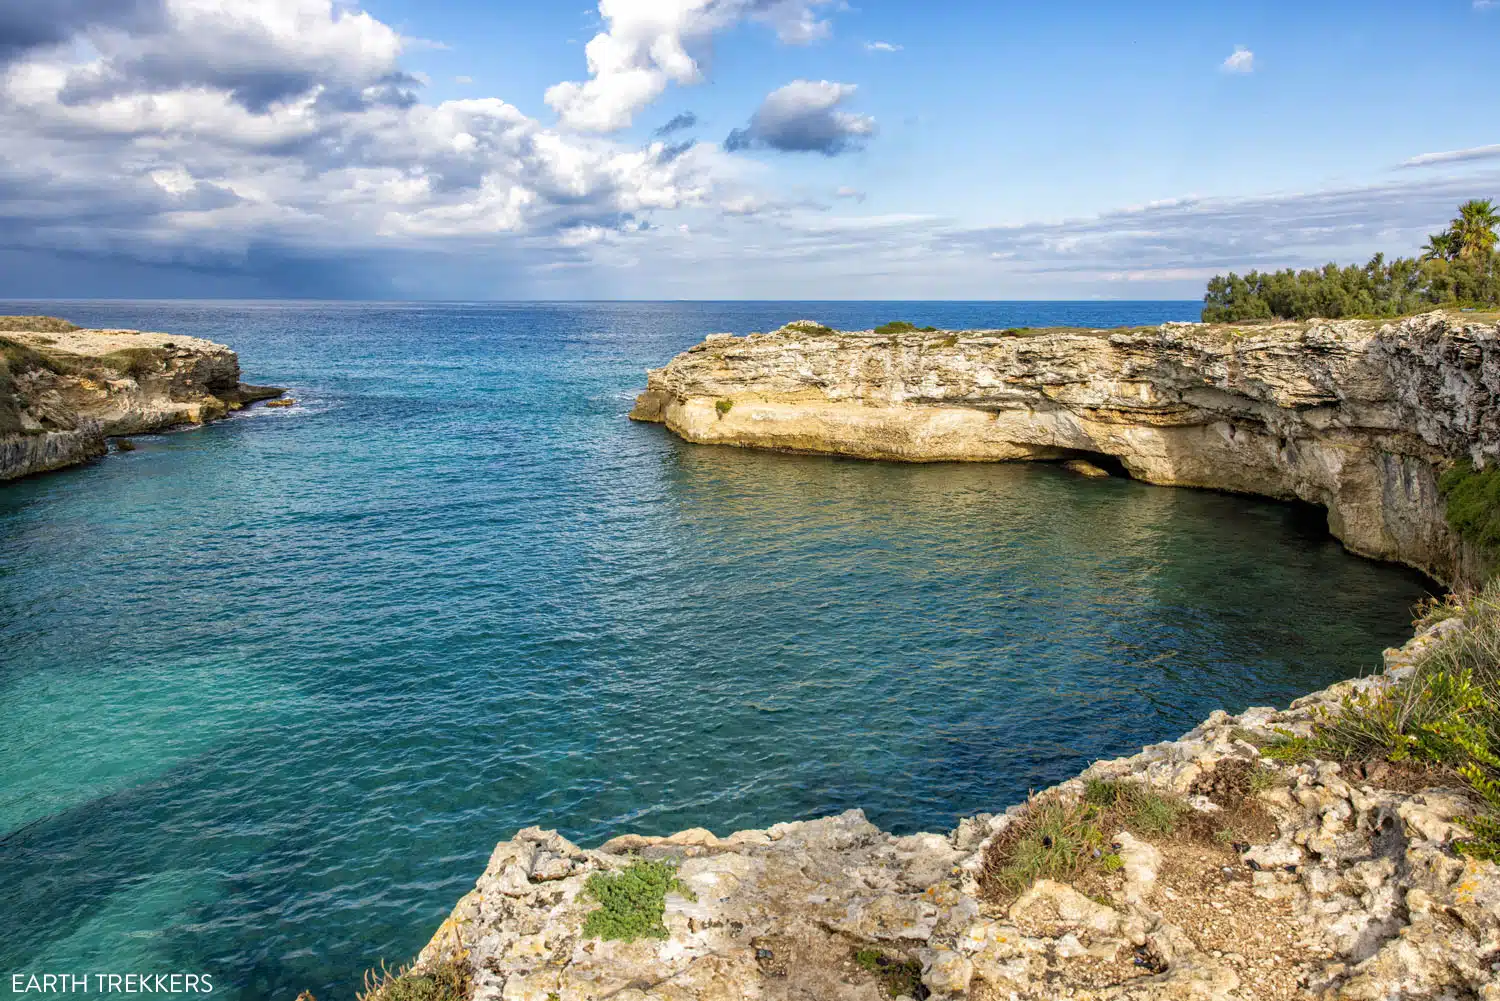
(64, 390)
(1359, 417)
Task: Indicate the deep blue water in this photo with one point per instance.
(271, 690)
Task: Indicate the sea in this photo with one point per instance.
(272, 689)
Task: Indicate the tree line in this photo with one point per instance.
(1458, 267)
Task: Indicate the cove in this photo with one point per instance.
(272, 689)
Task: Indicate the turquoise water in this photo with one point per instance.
(271, 690)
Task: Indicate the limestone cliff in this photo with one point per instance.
(1357, 416)
(63, 390)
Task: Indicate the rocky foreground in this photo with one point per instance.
(1346, 886)
(64, 391)
(1356, 416)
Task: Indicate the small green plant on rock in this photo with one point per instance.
(632, 901)
(897, 977)
(722, 407)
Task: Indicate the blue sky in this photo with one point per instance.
(467, 149)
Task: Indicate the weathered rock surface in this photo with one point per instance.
(89, 385)
(1357, 895)
(1356, 416)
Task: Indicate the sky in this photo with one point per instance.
(728, 149)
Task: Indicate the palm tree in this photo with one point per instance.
(1474, 229)
(1441, 246)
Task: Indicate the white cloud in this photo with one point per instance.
(212, 128)
(804, 117)
(1241, 60)
(463, 81)
(649, 44)
(848, 192)
(1454, 156)
(881, 47)
(1486, 4)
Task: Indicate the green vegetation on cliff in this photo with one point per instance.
(1473, 505)
(1459, 267)
(1444, 718)
(633, 901)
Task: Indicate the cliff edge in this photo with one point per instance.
(1359, 417)
(1209, 868)
(64, 390)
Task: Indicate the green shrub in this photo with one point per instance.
(632, 901)
(809, 327)
(1289, 749)
(10, 408)
(903, 327)
(723, 407)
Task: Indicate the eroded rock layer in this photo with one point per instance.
(1356, 416)
(63, 391)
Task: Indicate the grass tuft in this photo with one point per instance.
(632, 901)
(722, 407)
(1445, 716)
(1137, 807)
(1054, 840)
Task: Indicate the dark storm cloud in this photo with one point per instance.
(33, 24)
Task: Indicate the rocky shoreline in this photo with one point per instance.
(1359, 417)
(64, 391)
(1245, 873)
(1351, 890)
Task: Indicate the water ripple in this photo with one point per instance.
(271, 690)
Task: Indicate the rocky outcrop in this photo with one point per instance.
(64, 391)
(1359, 417)
(1353, 891)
